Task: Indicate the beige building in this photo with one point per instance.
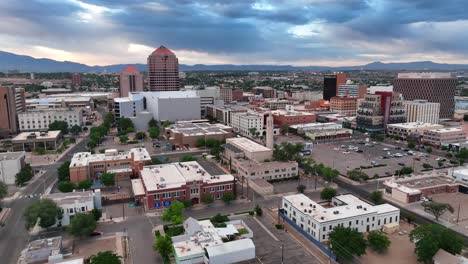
(188, 133)
(422, 111)
(87, 166)
(344, 105)
(28, 141)
(404, 130)
(444, 136)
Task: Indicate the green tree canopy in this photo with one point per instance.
(59, 125)
(109, 119)
(24, 175)
(166, 123)
(97, 214)
(82, 224)
(200, 143)
(106, 257)
(411, 144)
(430, 238)
(66, 186)
(152, 123)
(377, 197)
(154, 132)
(357, 175)
(228, 197)
(163, 245)
(123, 139)
(86, 184)
(327, 194)
(347, 242)
(64, 171)
(187, 157)
(173, 213)
(437, 209)
(378, 241)
(44, 210)
(140, 135)
(207, 198)
(75, 129)
(125, 123)
(108, 179)
(287, 151)
(3, 190)
(301, 188)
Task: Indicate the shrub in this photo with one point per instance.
(258, 210)
(66, 186)
(279, 226)
(251, 213)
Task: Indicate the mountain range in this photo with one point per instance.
(11, 61)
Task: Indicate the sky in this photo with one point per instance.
(293, 32)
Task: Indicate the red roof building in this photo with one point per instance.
(131, 80)
(163, 70)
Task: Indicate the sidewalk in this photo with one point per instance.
(219, 204)
(47, 159)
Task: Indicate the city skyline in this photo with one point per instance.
(307, 32)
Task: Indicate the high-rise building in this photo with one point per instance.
(349, 89)
(379, 109)
(264, 91)
(163, 70)
(331, 83)
(344, 105)
(11, 103)
(422, 111)
(226, 94)
(131, 80)
(436, 87)
(76, 78)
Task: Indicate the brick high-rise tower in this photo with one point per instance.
(436, 87)
(131, 80)
(163, 70)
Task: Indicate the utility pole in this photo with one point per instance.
(458, 213)
(282, 253)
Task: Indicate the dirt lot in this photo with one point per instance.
(401, 250)
(87, 247)
(456, 200)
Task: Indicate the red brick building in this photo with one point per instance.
(163, 70)
(282, 117)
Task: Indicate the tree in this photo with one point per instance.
(377, 197)
(411, 145)
(430, 238)
(108, 179)
(154, 132)
(357, 175)
(465, 117)
(284, 129)
(347, 242)
(106, 257)
(86, 184)
(45, 211)
(109, 119)
(97, 214)
(437, 209)
(64, 171)
(173, 213)
(3, 190)
(228, 197)
(75, 129)
(59, 125)
(207, 198)
(406, 170)
(140, 135)
(287, 151)
(123, 139)
(329, 174)
(125, 124)
(327, 194)
(66, 186)
(301, 188)
(163, 245)
(152, 123)
(378, 241)
(82, 225)
(427, 165)
(24, 175)
(187, 157)
(166, 123)
(200, 143)
(429, 150)
(258, 210)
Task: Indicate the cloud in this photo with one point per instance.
(243, 31)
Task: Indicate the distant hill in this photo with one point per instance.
(11, 61)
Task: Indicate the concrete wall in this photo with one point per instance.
(9, 169)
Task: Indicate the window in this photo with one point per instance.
(396, 218)
(82, 209)
(357, 222)
(285, 205)
(367, 219)
(193, 190)
(330, 227)
(324, 228)
(166, 195)
(176, 194)
(229, 187)
(349, 223)
(156, 196)
(378, 222)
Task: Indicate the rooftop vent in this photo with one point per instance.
(310, 211)
(302, 203)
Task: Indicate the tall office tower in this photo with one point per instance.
(8, 106)
(436, 87)
(226, 94)
(331, 84)
(131, 80)
(20, 100)
(378, 110)
(269, 131)
(422, 111)
(163, 70)
(76, 78)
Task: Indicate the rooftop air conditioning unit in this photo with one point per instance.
(302, 203)
(310, 211)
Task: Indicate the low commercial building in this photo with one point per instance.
(322, 131)
(28, 141)
(405, 130)
(87, 166)
(188, 133)
(411, 190)
(42, 250)
(264, 91)
(222, 113)
(160, 185)
(74, 102)
(261, 186)
(253, 161)
(74, 203)
(345, 210)
(274, 104)
(204, 243)
(290, 117)
(34, 120)
(246, 122)
(461, 175)
(344, 105)
(10, 164)
(444, 136)
(422, 111)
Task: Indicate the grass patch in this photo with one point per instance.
(243, 231)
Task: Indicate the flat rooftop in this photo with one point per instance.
(199, 129)
(84, 158)
(425, 75)
(52, 243)
(352, 207)
(49, 135)
(425, 181)
(175, 175)
(247, 144)
(70, 198)
(446, 130)
(414, 125)
(11, 155)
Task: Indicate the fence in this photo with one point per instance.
(308, 236)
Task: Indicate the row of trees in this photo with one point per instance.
(287, 151)
(63, 127)
(215, 146)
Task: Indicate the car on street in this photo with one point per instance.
(359, 150)
(397, 147)
(401, 164)
(336, 149)
(385, 149)
(346, 152)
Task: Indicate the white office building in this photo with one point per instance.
(10, 164)
(422, 111)
(34, 120)
(75, 202)
(204, 243)
(243, 122)
(379, 88)
(345, 210)
(168, 105)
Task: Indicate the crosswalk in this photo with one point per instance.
(28, 196)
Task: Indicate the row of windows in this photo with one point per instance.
(167, 195)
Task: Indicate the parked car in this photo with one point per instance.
(359, 150)
(385, 149)
(401, 164)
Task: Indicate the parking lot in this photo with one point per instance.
(351, 154)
